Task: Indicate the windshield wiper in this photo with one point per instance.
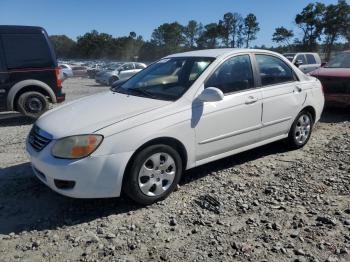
(141, 91)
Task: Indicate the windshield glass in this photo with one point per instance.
(290, 57)
(167, 79)
(340, 61)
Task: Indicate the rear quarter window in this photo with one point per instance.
(310, 59)
(26, 51)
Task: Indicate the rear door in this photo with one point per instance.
(283, 95)
(4, 79)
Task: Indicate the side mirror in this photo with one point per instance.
(323, 64)
(298, 63)
(211, 94)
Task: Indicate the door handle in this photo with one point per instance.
(251, 100)
(298, 89)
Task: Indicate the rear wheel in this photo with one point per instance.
(32, 104)
(154, 174)
(301, 129)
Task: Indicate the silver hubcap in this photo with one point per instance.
(34, 104)
(302, 129)
(157, 174)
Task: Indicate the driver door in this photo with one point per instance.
(235, 121)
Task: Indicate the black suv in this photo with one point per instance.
(29, 76)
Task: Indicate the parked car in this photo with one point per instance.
(306, 62)
(66, 70)
(79, 71)
(335, 78)
(30, 78)
(122, 71)
(183, 111)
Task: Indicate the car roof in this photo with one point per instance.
(218, 52)
(6, 29)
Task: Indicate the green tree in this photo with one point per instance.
(251, 28)
(210, 36)
(64, 46)
(95, 45)
(310, 21)
(170, 37)
(226, 26)
(335, 23)
(282, 35)
(192, 32)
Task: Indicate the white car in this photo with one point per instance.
(66, 70)
(183, 111)
(307, 62)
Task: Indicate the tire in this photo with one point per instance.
(301, 130)
(32, 104)
(112, 80)
(146, 181)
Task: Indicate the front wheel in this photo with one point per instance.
(301, 129)
(112, 80)
(153, 175)
(32, 104)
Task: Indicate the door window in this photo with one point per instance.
(301, 58)
(233, 75)
(273, 70)
(127, 67)
(310, 59)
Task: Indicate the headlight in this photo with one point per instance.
(74, 147)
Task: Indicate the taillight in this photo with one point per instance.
(58, 77)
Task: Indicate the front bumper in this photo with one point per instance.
(91, 177)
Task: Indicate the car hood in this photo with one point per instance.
(87, 115)
(331, 72)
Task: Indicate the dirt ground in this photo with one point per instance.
(267, 204)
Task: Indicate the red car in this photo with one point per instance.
(335, 78)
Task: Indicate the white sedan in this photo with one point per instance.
(183, 111)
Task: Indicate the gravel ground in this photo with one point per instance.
(267, 204)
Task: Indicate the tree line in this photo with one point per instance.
(233, 30)
(321, 26)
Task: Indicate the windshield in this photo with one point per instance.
(290, 57)
(167, 79)
(340, 61)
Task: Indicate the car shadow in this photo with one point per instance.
(335, 115)
(14, 119)
(27, 204)
(234, 160)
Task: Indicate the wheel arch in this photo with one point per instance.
(311, 110)
(170, 141)
(25, 86)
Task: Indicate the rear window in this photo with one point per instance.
(310, 59)
(26, 51)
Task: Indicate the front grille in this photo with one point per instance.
(38, 138)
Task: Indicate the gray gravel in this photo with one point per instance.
(267, 204)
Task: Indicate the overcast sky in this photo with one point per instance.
(119, 17)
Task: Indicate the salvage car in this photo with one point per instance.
(335, 78)
(181, 112)
(306, 62)
(120, 72)
(30, 78)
